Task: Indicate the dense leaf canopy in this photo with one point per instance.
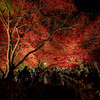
(67, 35)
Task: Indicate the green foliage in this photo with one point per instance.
(21, 67)
(3, 7)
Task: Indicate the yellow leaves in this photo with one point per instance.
(98, 92)
(4, 7)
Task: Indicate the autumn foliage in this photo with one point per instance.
(46, 30)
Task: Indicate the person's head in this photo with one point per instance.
(26, 67)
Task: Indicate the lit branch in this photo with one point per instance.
(16, 25)
(38, 47)
(3, 19)
(60, 44)
(31, 25)
(16, 45)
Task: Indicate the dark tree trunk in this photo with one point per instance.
(11, 72)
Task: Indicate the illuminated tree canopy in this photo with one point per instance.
(46, 30)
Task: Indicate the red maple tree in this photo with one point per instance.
(78, 44)
(50, 27)
(28, 25)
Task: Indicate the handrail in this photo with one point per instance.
(76, 89)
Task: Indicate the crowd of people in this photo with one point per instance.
(86, 80)
(55, 76)
(28, 77)
(86, 77)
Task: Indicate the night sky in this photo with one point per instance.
(88, 6)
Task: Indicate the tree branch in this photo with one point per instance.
(3, 19)
(6, 4)
(37, 47)
(9, 45)
(29, 54)
(13, 52)
(16, 25)
(32, 24)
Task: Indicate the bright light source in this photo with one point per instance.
(45, 63)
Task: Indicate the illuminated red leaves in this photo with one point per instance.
(78, 40)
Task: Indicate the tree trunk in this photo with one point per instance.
(8, 57)
(10, 74)
(9, 45)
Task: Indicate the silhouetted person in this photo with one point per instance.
(25, 76)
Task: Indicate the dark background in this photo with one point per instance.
(88, 6)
